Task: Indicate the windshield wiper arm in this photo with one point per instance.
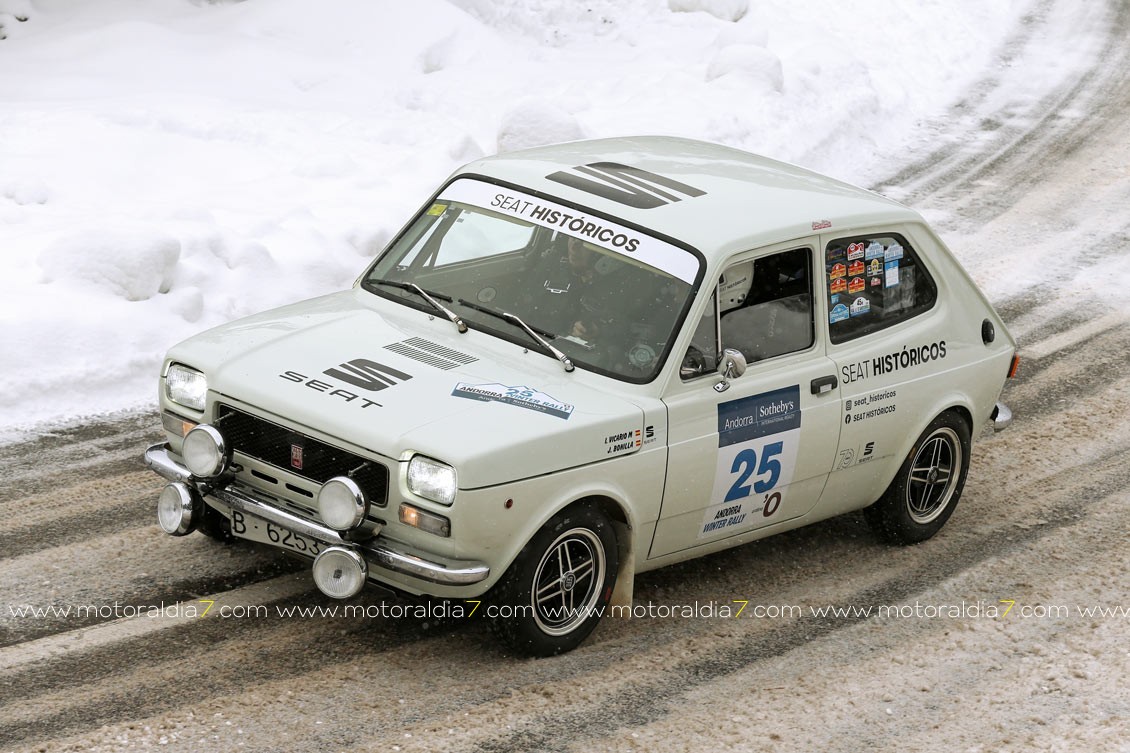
(430, 298)
(508, 317)
(544, 343)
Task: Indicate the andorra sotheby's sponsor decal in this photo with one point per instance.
(757, 448)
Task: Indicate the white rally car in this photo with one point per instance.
(584, 361)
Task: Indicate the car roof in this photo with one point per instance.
(736, 200)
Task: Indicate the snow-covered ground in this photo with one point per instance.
(168, 165)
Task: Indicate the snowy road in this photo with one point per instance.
(998, 639)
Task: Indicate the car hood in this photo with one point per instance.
(385, 377)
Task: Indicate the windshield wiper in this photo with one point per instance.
(506, 316)
(430, 297)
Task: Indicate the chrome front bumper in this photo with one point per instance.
(1001, 417)
(376, 553)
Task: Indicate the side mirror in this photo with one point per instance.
(731, 366)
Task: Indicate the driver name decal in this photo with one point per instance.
(521, 397)
(757, 448)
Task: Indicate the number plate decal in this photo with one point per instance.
(758, 438)
(254, 528)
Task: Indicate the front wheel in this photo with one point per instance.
(558, 587)
(928, 486)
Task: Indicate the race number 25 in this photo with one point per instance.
(768, 471)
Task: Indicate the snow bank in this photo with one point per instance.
(168, 165)
(535, 122)
(130, 266)
(726, 10)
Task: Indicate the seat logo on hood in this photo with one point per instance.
(360, 372)
(368, 375)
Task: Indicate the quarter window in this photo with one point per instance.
(874, 281)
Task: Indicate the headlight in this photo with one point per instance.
(342, 504)
(178, 509)
(205, 452)
(431, 479)
(185, 386)
(340, 572)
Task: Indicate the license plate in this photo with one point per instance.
(253, 528)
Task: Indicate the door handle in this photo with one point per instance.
(824, 384)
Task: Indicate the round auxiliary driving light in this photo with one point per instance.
(178, 509)
(204, 451)
(340, 572)
(342, 504)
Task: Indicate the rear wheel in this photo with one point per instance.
(927, 487)
(556, 590)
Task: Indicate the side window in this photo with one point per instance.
(764, 309)
(765, 305)
(874, 281)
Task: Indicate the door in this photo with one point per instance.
(753, 451)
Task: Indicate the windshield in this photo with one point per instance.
(609, 297)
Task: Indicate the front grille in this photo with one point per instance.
(300, 454)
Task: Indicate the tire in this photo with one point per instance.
(927, 488)
(215, 525)
(570, 564)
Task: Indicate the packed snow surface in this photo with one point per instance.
(169, 165)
